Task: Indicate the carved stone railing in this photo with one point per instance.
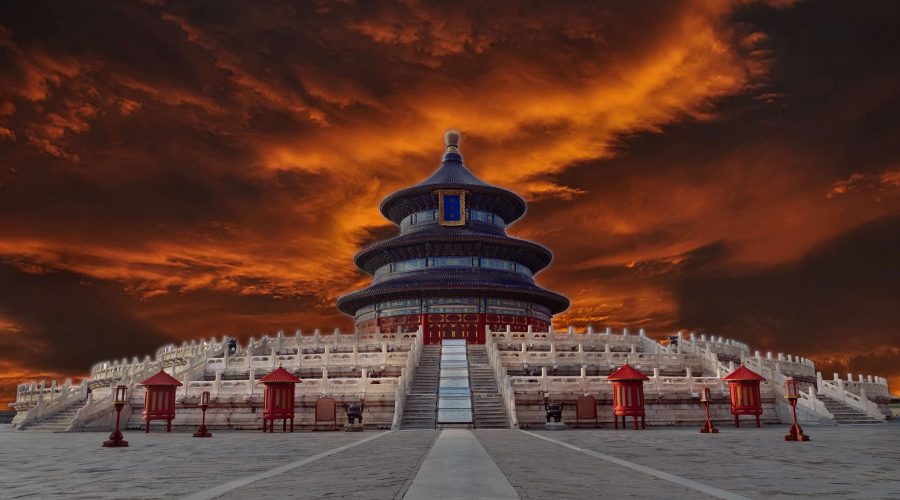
(384, 357)
(811, 403)
(581, 357)
(399, 402)
(532, 338)
(552, 384)
(601, 385)
(789, 366)
(91, 411)
(871, 387)
(50, 401)
(502, 380)
(808, 404)
(406, 379)
(835, 390)
(306, 387)
(167, 356)
(318, 339)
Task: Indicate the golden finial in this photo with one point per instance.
(451, 139)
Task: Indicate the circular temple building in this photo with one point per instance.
(452, 269)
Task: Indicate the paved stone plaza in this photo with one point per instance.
(840, 462)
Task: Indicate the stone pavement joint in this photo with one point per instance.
(840, 462)
(378, 470)
(683, 481)
(408, 483)
(225, 488)
(459, 467)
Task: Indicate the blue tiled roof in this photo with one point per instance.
(477, 283)
(453, 174)
(453, 171)
(426, 238)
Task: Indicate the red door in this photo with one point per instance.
(437, 331)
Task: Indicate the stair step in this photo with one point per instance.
(846, 414)
(420, 409)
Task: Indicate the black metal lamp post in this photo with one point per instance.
(120, 397)
(204, 404)
(705, 397)
(792, 394)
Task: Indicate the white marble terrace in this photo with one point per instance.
(378, 368)
(373, 367)
(565, 365)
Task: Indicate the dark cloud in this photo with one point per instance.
(211, 168)
(65, 322)
(838, 300)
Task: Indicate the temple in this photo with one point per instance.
(453, 331)
(452, 269)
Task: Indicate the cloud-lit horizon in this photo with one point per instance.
(175, 171)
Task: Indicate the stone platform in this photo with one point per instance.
(839, 462)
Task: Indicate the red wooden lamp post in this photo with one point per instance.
(119, 399)
(204, 404)
(159, 399)
(278, 399)
(628, 395)
(743, 384)
(705, 397)
(792, 394)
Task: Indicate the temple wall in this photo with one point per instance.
(674, 410)
(247, 415)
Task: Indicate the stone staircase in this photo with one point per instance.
(58, 422)
(420, 409)
(845, 414)
(489, 412)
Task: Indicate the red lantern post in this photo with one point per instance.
(204, 404)
(792, 394)
(743, 384)
(705, 397)
(278, 399)
(628, 395)
(159, 399)
(119, 399)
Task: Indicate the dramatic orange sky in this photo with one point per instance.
(177, 170)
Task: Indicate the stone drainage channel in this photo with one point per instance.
(454, 394)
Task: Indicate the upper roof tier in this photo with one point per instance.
(453, 174)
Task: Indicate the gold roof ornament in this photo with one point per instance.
(451, 140)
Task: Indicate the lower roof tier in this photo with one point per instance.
(452, 285)
(452, 243)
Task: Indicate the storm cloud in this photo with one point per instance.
(177, 170)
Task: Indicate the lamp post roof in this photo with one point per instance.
(161, 378)
(743, 374)
(627, 372)
(279, 376)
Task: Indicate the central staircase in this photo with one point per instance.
(478, 405)
(454, 393)
(58, 422)
(845, 414)
(420, 409)
(489, 411)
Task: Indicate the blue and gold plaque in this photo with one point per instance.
(452, 207)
